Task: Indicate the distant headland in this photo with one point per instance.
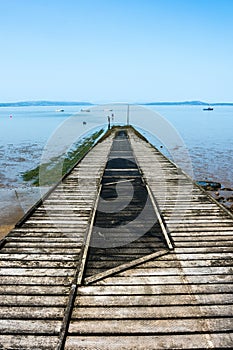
(188, 103)
(84, 103)
(43, 103)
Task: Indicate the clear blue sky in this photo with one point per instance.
(116, 50)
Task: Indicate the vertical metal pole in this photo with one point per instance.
(128, 115)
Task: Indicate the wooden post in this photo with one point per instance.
(127, 115)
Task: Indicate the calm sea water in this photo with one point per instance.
(207, 136)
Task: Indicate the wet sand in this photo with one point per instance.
(9, 219)
(4, 230)
(14, 204)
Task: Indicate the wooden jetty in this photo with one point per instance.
(67, 285)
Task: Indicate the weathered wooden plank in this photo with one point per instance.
(56, 215)
(177, 271)
(151, 312)
(208, 226)
(194, 215)
(97, 274)
(51, 240)
(183, 206)
(204, 249)
(135, 327)
(145, 242)
(31, 312)
(26, 342)
(198, 255)
(59, 245)
(66, 200)
(177, 259)
(191, 250)
(31, 280)
(204, 237)
(165, 289)
(44, 232)
(97, 265)
(199, 228)
(63, 208)
(179, 279)
(150, 342)
(193, 244)
(56, 221)
(188, 263)
(124, 251)
(199, 221)
(49, 234)
(32, 300)
(45, 272)
(42, 250)
(30, 327)
(34, 290)
(39, 257)
(37, 264)
(150, 300)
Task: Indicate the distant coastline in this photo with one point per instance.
(43, 103)
(84, 103)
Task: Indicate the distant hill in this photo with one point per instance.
(43, 103)
(192, 103)
(188, 103)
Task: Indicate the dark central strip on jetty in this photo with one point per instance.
(125, 226)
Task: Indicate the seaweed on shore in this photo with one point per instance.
(47, 174)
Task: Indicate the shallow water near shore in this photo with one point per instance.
(24, 132)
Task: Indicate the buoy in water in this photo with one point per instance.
(11, 116)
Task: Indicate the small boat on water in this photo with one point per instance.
(208, 109)
(59, 110)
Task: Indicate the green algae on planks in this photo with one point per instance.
(52, 170)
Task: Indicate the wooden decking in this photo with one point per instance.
(175, 298)
(39, 261)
